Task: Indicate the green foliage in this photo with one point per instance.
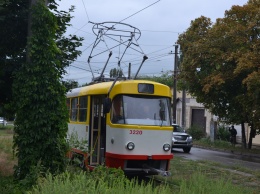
(202, 178)
(220, 63)
(14, 30)
(165, 78)
(214, 174)
(14, 26)
(223, 144)
(70, 84)
(41, 113)
(35, 173)
(74, 142)
(116, 73)
(196, 132)
(199, 183)
(6, 140)
(101, 180)
(223, 133)
(7, 185)
(108, 174)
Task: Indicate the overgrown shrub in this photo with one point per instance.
(223, 133)
(196, 132)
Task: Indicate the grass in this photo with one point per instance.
(204, 173)
(194, 177)
(7, 160)
(67, 183)
(226, 146)
(188, 176)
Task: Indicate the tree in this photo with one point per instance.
(165, 78)
(220, 59)
(14, 24)
(116, 73)
(70, 84)
(13, 16)
(40, 101)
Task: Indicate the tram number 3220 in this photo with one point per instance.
(136, 132)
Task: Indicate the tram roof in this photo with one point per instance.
(121, 86)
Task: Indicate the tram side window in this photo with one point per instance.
(68, 105)
(117, 109)
(83, 104)
(74, 109)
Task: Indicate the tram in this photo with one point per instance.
(122, 124)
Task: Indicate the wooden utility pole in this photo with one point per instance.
(183, 109)
(129, 71)
(174, 108)
(183, 116)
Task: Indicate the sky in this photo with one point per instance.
(151, 26)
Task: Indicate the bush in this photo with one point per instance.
(223, 133)
(196, 132)
(217, 143)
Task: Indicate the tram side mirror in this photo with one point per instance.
(106, 105)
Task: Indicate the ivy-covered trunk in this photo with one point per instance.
(41, 114)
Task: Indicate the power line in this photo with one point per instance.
(85, 9)
(140, 10)
(80, 68)
(79, 29)
(161, 31)
(137, 58)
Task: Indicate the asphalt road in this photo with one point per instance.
(226, 158)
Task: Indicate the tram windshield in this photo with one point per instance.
(141, 110)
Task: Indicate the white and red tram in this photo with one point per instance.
(122, 124)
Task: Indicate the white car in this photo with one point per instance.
(3, 121)
(180, 139)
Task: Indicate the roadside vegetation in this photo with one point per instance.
(221, 141)
(220, 66)
(186, 177)
(226, 146)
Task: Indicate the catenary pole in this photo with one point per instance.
(175, 84)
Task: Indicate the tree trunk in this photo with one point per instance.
(251, 136)
(243, 135)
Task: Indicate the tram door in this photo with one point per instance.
(97, 131)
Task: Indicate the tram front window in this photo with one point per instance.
(140, 110)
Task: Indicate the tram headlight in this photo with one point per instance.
(166, 147)
(130, 146)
